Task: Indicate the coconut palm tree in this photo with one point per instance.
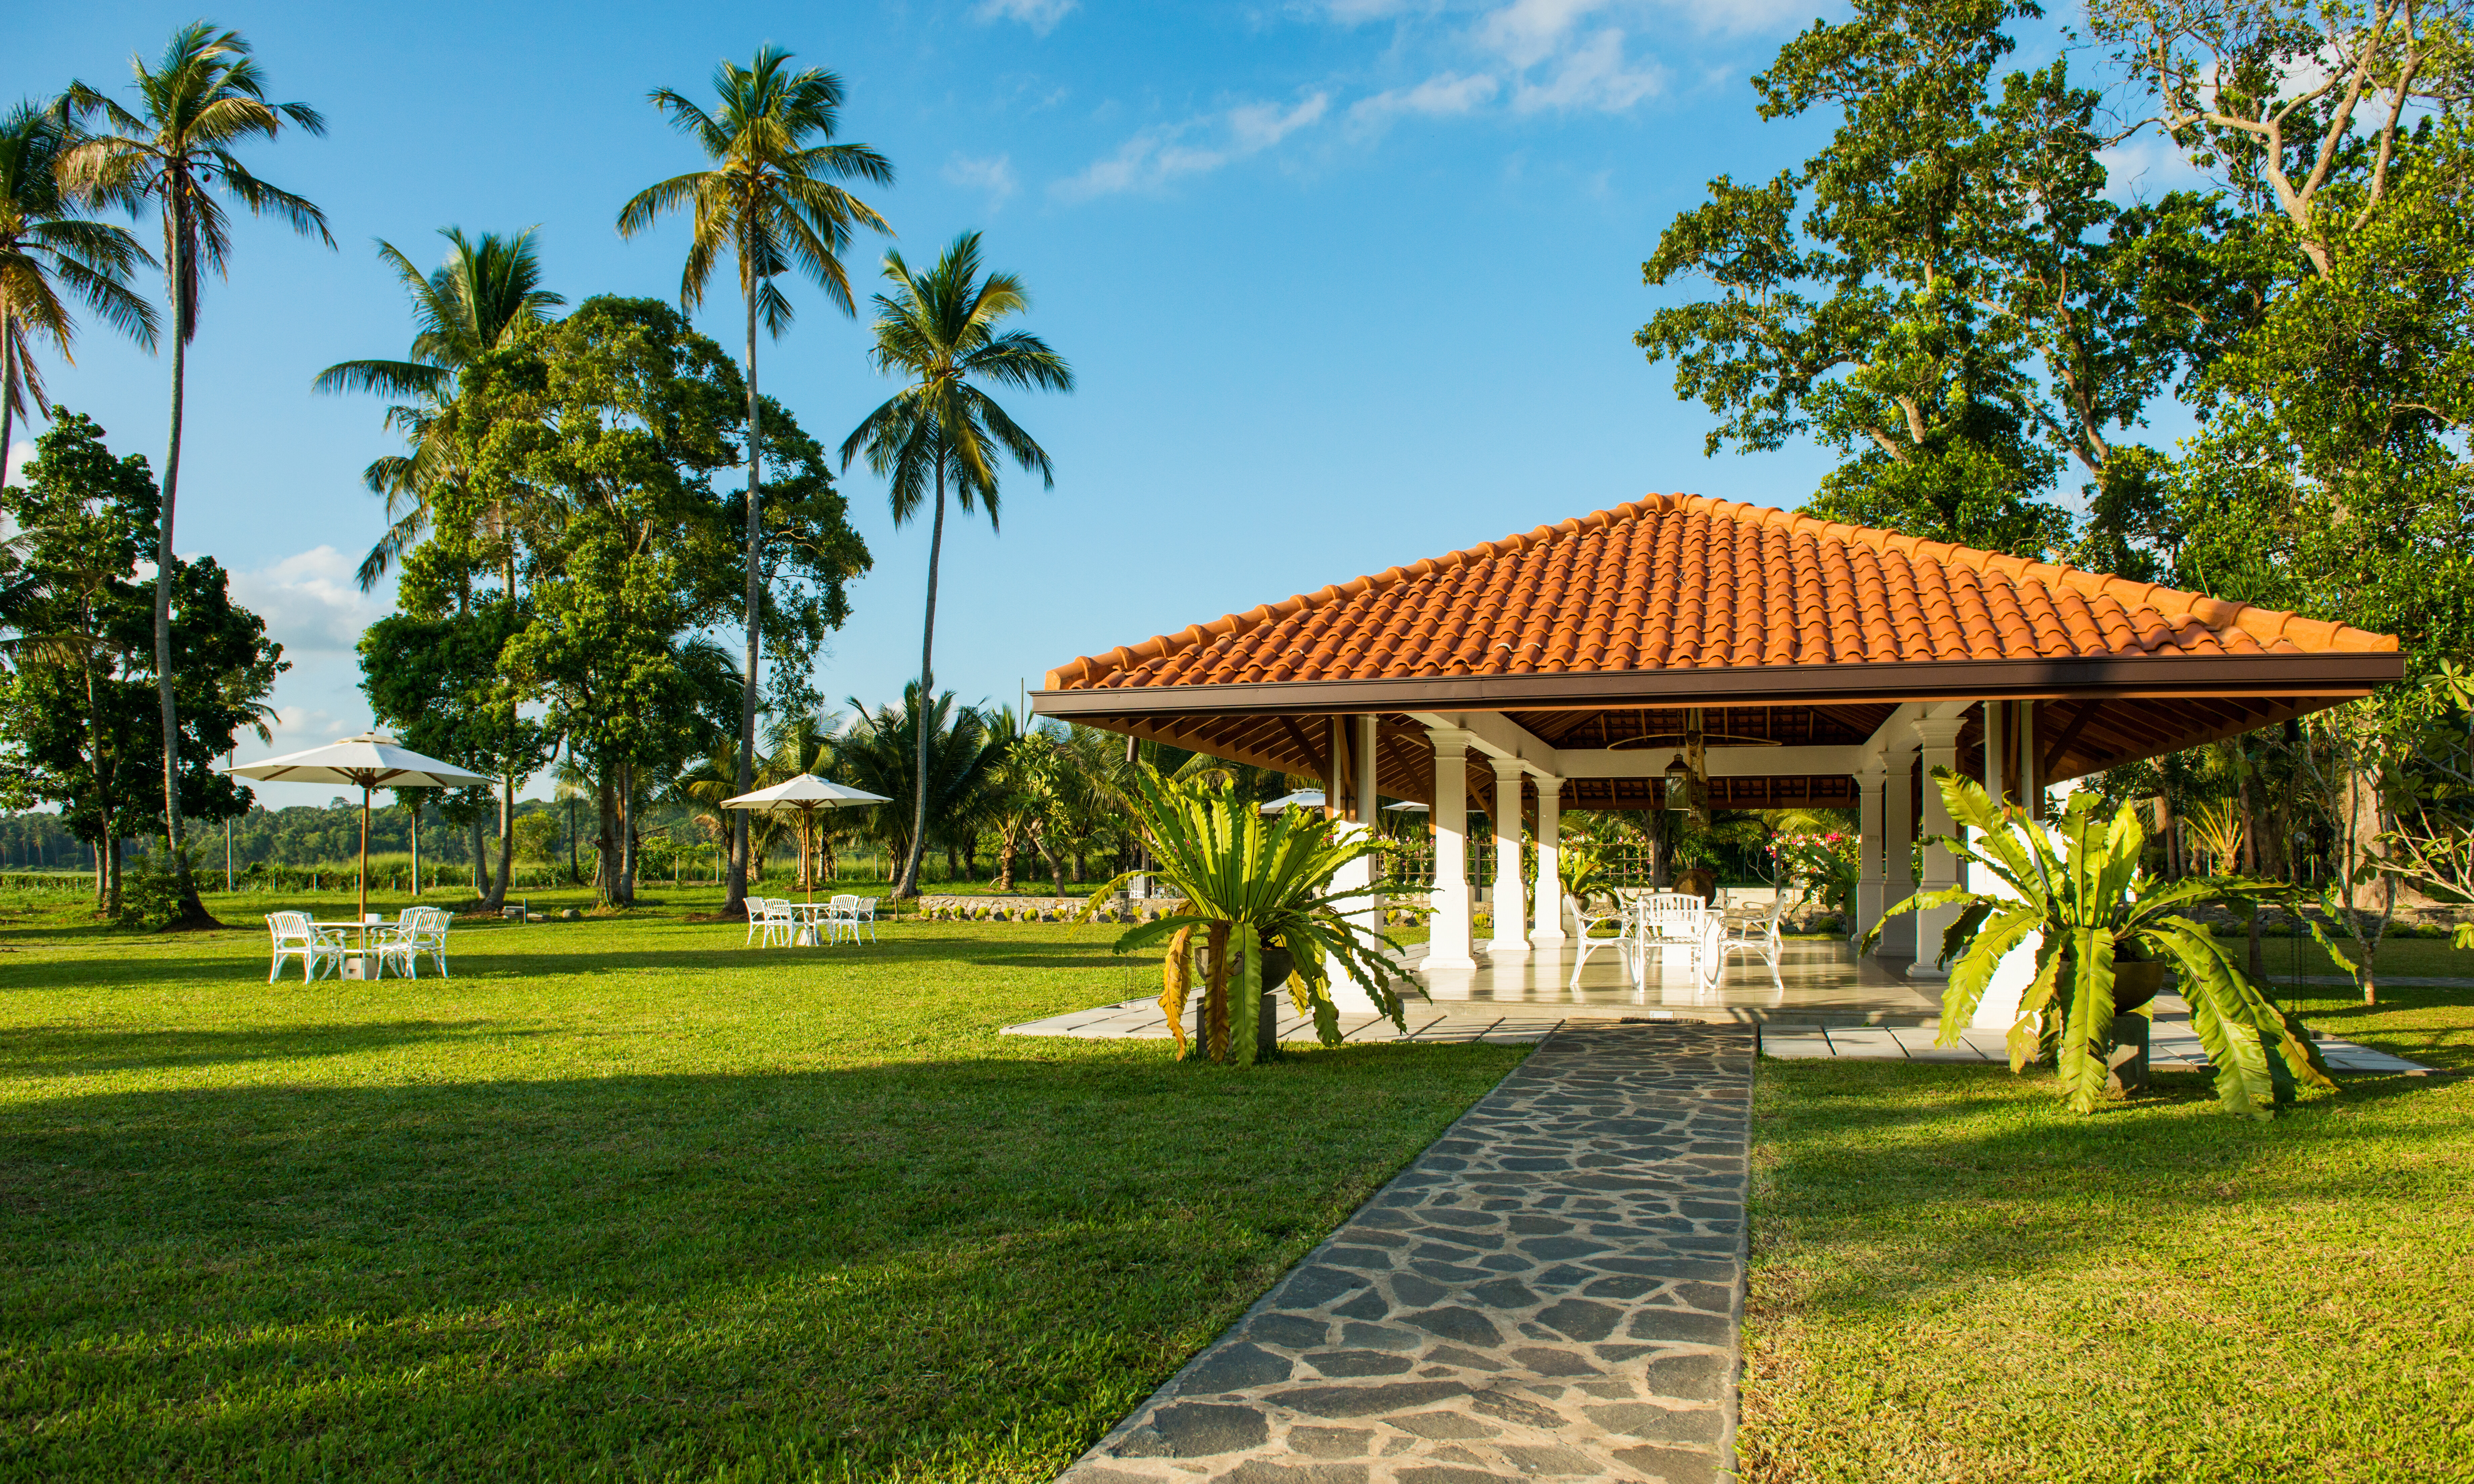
(940, 330)
(50, 257)
(770, 201)
(487, 293)
(204, 96)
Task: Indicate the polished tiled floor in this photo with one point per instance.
(1821, 1000)
(1815, 978)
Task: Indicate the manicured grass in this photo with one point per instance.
(1954, 1278)
(625, 1200)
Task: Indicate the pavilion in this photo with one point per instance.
(1782, 660)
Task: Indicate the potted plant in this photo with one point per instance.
(2106, 933)
(1258, 913)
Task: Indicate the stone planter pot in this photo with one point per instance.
(2136, 984)
(2126, 1062)
(1277, 964)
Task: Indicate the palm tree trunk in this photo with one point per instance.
(8, 395)
(177, 278)
(737, 899)
(908, 885)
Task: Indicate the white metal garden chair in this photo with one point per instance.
(781, 922)
(1585, 919)
(866, 919)
(841, 914)
(423, 930)
(1760, 936)
(1669, 920)
(294, 938)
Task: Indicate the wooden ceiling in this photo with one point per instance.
(2074, 737)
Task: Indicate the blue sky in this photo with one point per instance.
(1346, 283)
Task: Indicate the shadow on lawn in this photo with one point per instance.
(2046, 1188)
(496, 956)
(922, 1266)
(70, 1050)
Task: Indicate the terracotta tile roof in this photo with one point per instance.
(1682, 582)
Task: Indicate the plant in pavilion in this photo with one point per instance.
(2091, 906)
(1257, 891)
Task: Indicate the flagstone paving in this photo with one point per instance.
(1552, 1291)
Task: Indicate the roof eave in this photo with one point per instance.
(2332, 675)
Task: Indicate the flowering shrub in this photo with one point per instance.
(1822, 866)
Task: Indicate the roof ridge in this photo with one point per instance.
(2266, 628)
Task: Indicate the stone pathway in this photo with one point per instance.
(1552, 1291)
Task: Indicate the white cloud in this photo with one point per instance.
(309, 600)
(20, 454)
(1040, 15)
(1593, 75)
(1156, 157)
(1528, 32)
(1442, 94)
(993, 174)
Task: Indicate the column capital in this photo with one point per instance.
(1508, 770)
(1871, 780)
(1938, 731)
(1549, 785)
(1451, 739)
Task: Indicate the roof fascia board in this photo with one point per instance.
(1962, 682)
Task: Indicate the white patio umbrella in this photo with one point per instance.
(804, 796)
(1302, 798)
(370, 760)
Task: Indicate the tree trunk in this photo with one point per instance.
(605, 844)
(908, 884)
(480, 865)
(1004, 863)
(190, 910)
(1055, 879)
(506, 842)
(8, 395)
(736, 901)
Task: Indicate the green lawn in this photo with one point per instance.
(626, 1200)
(1954, 1278)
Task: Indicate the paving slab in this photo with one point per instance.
(1552, 1290)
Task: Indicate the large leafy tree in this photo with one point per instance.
(78, 708)
(174, 153)
(771, 204)
(597, 439)
(488, 292)
(941, 331)
(1943, 294)
(51, 258)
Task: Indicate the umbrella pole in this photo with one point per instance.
(365, 852)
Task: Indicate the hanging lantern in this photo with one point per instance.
(1679, 784)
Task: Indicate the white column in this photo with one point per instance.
(1448, 942)
(1548, 929)
(1366, 912)
(1510, 898)
(2000, 1006)
(1870, 840)
(1938, 737)
(1996, 737)
(1361, 751)
(1898, 851)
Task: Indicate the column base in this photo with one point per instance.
(1452, 961)
(1498, 949)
